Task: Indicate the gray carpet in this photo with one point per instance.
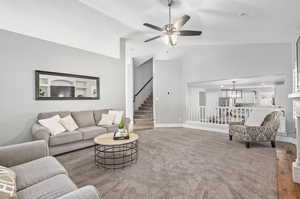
(182, 163)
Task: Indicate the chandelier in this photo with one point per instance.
(232, 93)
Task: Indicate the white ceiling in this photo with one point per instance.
(265, 20)
(97, 25)
(66, 22)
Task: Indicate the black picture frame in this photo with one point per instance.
(37, 85)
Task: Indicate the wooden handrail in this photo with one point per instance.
(135, 95)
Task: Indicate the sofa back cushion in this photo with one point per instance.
(47, 115)
(98, 114)
(84, 118)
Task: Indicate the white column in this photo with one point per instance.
(296, 164)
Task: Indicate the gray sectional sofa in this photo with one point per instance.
(69, 141)
(40, 176)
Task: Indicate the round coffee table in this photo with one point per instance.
(114, 154)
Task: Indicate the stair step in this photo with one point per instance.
(143, 117)
(143, 112)
(147, 105)
(144, 122)
(145, 108)
(143, 127)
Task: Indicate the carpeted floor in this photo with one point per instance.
(182, 163)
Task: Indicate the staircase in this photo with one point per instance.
(143, 117)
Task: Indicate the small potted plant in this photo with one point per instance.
(121, 133)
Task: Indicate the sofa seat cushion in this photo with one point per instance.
(64, 138)
(37, 171)
(51, 188)
(91, 132)
(84, 118)
(110, 128)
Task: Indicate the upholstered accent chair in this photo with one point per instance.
(266, 132)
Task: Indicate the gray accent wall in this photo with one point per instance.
(217, 62)
(20, 55)
(168, 92)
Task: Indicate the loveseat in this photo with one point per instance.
(82, 137)
(40, 176)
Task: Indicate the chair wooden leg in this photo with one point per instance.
(273, 144)
(247, 145)
(230, 137)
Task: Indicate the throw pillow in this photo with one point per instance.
(7, 183)
(106, 119)
(53, 125)
(69, 123)
(118, 116)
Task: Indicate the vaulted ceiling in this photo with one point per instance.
(230, 21)
(97, 25)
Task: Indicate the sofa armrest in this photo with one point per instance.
(21, 153)
(40, 132)
(86, 192)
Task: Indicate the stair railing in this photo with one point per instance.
(135, 95)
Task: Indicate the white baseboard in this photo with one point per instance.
(205, 128)
(158, 125)
(221, 129)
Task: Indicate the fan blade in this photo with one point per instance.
(153, 27)
(189, 33)
(181, 21)
(153, 38)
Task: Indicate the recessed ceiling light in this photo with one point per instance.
(222, 86)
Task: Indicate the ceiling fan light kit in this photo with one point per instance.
(170, 32)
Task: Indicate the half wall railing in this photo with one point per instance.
(223, 115)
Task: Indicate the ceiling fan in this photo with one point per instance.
(171, 31)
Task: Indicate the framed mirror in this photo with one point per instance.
(63, 86)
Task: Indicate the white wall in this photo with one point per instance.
(21, 55)
(280, 93)
(193, 95)
(207, 63)
(168, 78)
(66, 22)
(212, 99)
(142, 75)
